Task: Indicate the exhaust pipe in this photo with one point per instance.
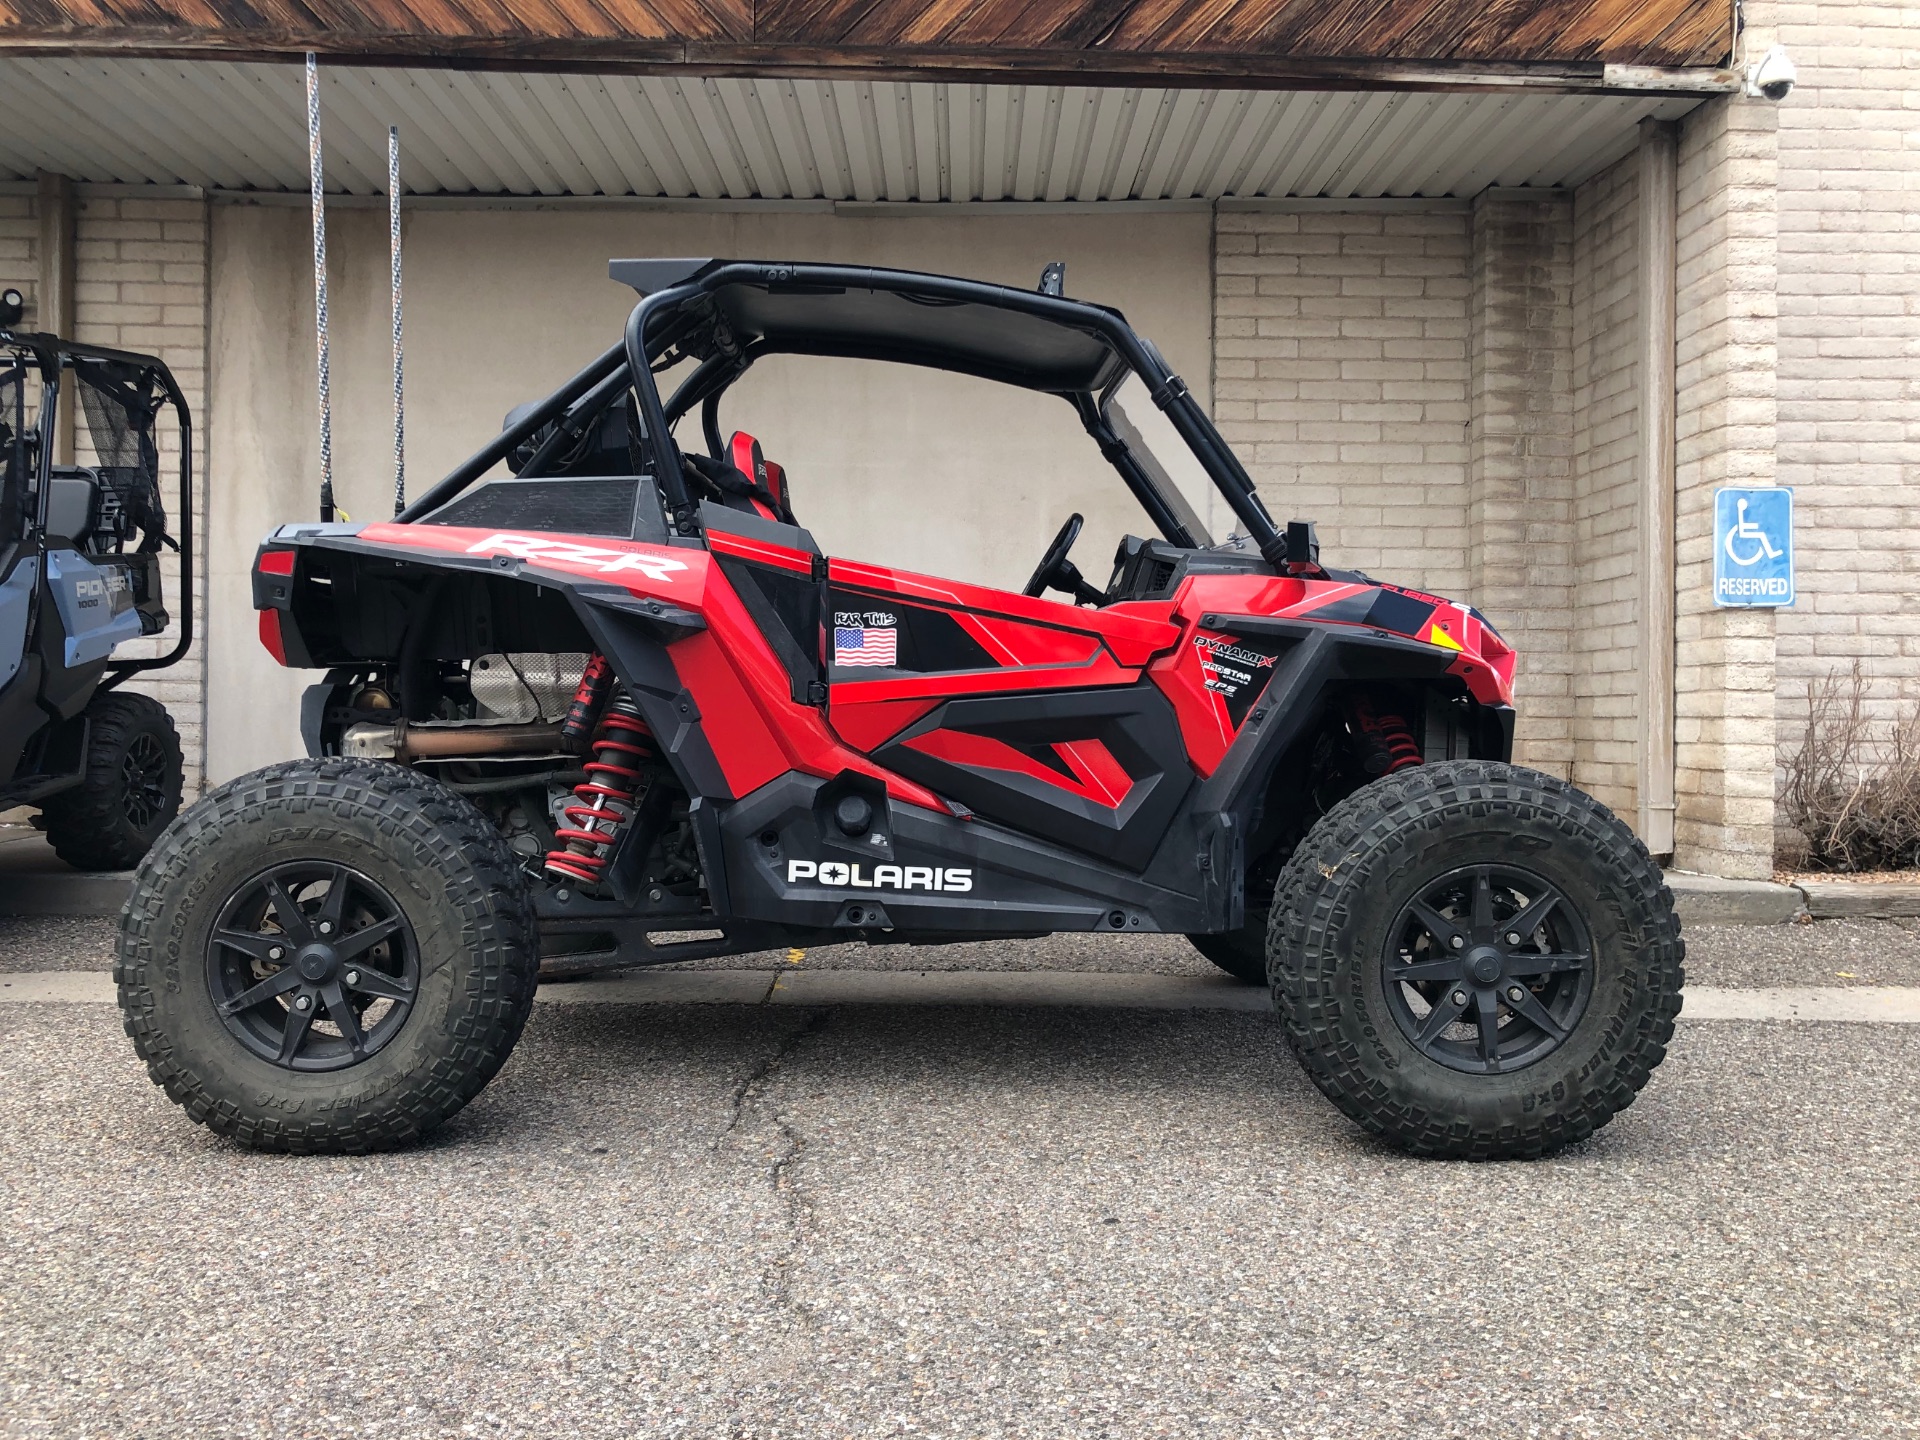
(403, 742)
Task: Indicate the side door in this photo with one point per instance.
(1026, 712)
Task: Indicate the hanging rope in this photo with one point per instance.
(314, 171)
(399, 351)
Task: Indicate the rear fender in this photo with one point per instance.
(634, 639)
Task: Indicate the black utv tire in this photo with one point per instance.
(130, 790)
(1241, 953)
(1497, 1083)
(457, 951)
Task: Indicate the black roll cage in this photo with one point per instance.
(50, 354)
(676, 306)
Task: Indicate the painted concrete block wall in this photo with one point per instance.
(1341, 371)
(1520, 494)
(1849, 367)
(888, 464)
(1604, 629)
(1725, 429)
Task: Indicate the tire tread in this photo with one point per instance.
(480, 874)
(1302, 961)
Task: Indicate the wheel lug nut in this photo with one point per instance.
(1458, 942)
(353, 977)
(1459, 997)
(275, 953)
(326, 927)
(1513, 937)
(1515, 994)
(305, 1002)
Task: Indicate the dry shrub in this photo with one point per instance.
(1854, 796)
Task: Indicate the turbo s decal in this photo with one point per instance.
(884, 877)
(569, 552)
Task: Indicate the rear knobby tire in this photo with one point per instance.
(1346, 918)
(460, 956)
(129, 790)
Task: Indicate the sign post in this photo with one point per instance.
(1753, 547)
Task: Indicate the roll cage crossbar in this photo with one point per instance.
(683, 313)
(51, 354)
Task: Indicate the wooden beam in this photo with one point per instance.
(1386, 44)
(558, 57)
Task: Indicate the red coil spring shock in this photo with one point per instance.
(604, 802)
(1384, 741)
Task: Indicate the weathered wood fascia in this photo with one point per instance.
(1036, 67)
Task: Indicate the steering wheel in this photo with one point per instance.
(1057, 572)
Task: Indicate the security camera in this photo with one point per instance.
(1772, 75)
(12, 306)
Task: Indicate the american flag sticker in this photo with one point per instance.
(865, 645)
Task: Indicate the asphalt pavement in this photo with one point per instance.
(740, 1221)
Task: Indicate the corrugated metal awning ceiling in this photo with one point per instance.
(242, 127)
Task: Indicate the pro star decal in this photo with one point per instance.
(1237, 671)
(884, 877)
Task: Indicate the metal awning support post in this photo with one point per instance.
(1658, 208)
(314, 172)
(399, 351)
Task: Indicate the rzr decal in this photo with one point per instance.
(571, 552)
(884, 877)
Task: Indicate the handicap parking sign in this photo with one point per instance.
(1753, 546)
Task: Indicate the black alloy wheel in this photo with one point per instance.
(312, 966)
(1488, 969)
(145, 769)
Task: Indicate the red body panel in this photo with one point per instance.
(1211, 677)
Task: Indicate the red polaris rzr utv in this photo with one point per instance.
(615, 708)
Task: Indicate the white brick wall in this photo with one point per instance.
(1849, 367)
(1604, 631)
(141, 284)
(1725, 426)
(1340, 378)
(20, 248)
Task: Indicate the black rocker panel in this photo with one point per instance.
(1138, 728)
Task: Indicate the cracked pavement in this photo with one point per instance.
(734, 1222)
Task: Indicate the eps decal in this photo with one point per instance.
(884, 877)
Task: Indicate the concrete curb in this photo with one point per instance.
(1025, 990)
(1716, 900)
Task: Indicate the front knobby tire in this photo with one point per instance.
(327, 956)
(1475, 961)
(129, 790)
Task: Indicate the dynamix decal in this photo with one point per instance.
(1228, 666)
(885, 877)
(607, 562)
(1236, 671)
